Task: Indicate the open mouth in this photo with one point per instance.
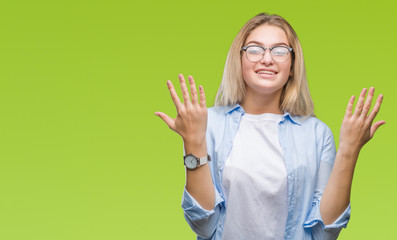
(266, 73)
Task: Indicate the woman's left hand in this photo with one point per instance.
(357, 128)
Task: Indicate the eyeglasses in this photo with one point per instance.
(256, 53)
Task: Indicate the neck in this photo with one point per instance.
(256, 103)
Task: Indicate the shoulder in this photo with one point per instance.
(217, 116)
(223, 112)
(217, 110)
(322, 132)
(221, 118)
(311, 126)
(312, 122)
(312, 134)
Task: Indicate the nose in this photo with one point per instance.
(267, 57)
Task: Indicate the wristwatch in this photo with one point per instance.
(192, 162)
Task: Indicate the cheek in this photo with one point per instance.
(286, 73)
(288, 69)
(246, 67)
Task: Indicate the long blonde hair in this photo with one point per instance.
(295, 96)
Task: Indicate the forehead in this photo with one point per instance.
(267, 35)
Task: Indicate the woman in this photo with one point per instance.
(259, 165)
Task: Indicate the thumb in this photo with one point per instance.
(375, 126)
(169, 121)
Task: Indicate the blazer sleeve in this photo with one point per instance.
(203, 222)
(314, 220)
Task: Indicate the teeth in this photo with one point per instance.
(265, 72)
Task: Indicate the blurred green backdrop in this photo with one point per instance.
(82, 155)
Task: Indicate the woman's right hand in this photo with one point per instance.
(191, 119)
(191, 124)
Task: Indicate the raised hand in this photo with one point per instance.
(191, 119)
(357, 128)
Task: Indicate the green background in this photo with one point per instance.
(82, 155)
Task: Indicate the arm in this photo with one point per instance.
(356, 131)
(314, 221)
(200, 199)
(191, 124)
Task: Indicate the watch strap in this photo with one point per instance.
(204, 160)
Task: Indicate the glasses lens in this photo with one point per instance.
(254, 54)
(280, 54)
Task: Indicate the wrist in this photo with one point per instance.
(348, 151)
(192, 162)
(197, 147)
(345, 161)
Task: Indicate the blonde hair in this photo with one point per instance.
(295, 96)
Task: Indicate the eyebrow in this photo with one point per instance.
(261, 44)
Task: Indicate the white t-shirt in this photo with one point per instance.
(255, 181)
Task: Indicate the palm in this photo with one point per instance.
(357, 128)
(191, 119)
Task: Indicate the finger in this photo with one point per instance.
(202, 97)
(193, 90)
(174, 95)
(375, 127)
(350, 104)
(376, 108)
(368, 102)
(185, 92)
(169, 121)
(360, 102)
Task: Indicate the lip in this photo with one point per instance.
(266, 75)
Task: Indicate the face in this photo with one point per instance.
(266, 76)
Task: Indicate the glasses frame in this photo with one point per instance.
(244, 48)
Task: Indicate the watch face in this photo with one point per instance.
(190, 162)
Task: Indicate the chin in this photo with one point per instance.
(265, 90)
